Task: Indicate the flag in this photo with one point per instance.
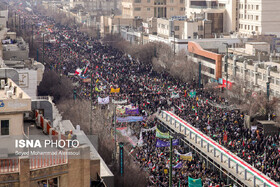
(178, 165)
(225, 137)
(78, 71)
(96, 89)
(132, 150)
(103, 101)
(154, 168)
(159, 155)
(194, 182)
(86, 68)
(160, 134)
(177, 160)
(117, 90)
(175, 95)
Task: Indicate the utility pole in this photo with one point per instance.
(267, 90)
(43, 48)
(199, 74)
(115, 134)
(173, 33)
(15, 20)
(90, 123)
(170, 162)
(226, 65)
(32, 37)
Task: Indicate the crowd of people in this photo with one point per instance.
(151, 92)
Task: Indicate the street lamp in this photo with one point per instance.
(173, 33)
(112, 17)
(226, 65)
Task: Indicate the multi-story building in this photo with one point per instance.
(152, 8)
(222, 13)
(38, 164)
(259, 17)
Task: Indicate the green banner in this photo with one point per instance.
(160, 134)
(194, 182)
(192, 94)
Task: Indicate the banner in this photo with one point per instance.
(160, 134)
(130, 119)
(187, 156)
(119, 102)
(194, 182)
(103, 101)
(117, 90)
(175, 95)
(120, 110)
(192, 94)
(161, 143)
(132, 111)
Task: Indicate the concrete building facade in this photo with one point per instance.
(259, 17)
(153, 8)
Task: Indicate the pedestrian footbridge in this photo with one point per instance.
(246, 174)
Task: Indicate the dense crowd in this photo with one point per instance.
(151, 91)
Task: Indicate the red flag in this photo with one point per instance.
(225, 137)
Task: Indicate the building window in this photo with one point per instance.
(277, 81)
(257, 28)
(137, 9)
(257, 7)
(245, 26)
(171, 8)
(257, 18)
(182, 9)
(176, 28)
(148, 1)
(137, 1)
(5, 127)
(148, 9)
(181, 1)
(171, 1)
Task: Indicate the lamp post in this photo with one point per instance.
(199, 74)
(112, 17)
(43, 48)
(226, 65)
(173, 33)
(90, 123)
(178, 136)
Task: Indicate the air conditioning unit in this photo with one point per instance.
(6, 88)
(2, 83)
(12, 89)
(9, 94)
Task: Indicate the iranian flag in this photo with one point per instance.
(86, 68)
(154, 168)
(159, 155)
(177, 160)
(78, 71)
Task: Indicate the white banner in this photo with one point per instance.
(103, 101)
(119, 102)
